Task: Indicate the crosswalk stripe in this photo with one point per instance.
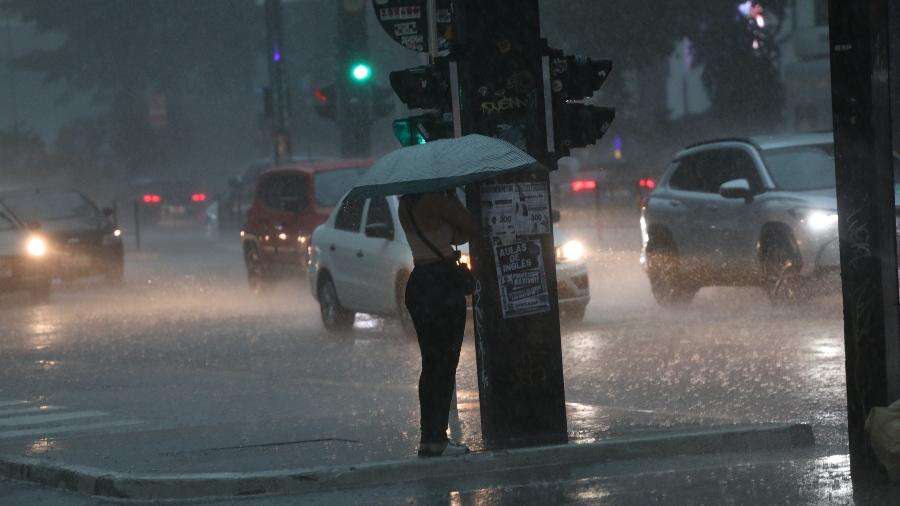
(48, 431)
(39, 419)
(12, 403)
(22, 411)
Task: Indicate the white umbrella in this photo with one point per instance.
(441, 165)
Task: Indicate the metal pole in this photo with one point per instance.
(137, 225)
(432, 30)
(860, 70)
(278, 80)
(518, 347)
(13, 88)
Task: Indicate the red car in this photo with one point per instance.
(290, 201)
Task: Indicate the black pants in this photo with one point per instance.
(437, 306)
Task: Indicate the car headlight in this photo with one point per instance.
(112, 237)
(36, 246)
(571, 251)
(818, 220)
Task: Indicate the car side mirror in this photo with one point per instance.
(380, 231)
(736, 189)
(108, 212)
(556, 216)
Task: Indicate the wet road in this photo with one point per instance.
(184, 360)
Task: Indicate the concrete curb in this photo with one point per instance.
(99, 482)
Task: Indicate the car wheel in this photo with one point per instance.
(334, 316)
(256, 279)
(668, 283)
(781, 267)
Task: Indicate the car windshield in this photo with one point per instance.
(802, 168)
(333, 184)
(49, 206)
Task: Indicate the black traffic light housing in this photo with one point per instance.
(425, 87)
(326, 102)
(575, 78)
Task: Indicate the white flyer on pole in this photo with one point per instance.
(511, 211)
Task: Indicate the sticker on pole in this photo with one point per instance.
(406, 21)
(511, 211)
(523, 285)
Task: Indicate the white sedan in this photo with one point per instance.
(359, 262)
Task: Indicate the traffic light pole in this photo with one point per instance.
(518, 350)
(278, 79)
(860, 70)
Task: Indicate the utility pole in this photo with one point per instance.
(860, 72)
(278, 100)
(10, 67)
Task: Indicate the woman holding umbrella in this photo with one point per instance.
(436, 300)
(434, 221)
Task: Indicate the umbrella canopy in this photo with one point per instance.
(441, 165)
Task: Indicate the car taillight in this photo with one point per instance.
(198, 197)
(647, 183)
(587, 185)
(152, 198)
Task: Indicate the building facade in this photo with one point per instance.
(806, 68)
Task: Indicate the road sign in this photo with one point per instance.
(406, 21)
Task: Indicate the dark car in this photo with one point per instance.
(171, 203)
(290, 201)
(24, 263)
(78, 238)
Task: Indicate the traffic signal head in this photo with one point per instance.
(421, 129)
(426, 87)
(580, 125)
(325, 103)
(361, 72)
(577, 77)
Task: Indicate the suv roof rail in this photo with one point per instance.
(745, 140)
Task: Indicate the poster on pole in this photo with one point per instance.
(523, 284)
(515, 210)
(406, 21)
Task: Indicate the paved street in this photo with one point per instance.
(183, 370)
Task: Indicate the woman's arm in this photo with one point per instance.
(465, 227)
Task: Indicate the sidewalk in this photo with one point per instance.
(291, 441)
(109, 483)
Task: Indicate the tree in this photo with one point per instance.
(199, 54)
(24, 154)
(740, 60)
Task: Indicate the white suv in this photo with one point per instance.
(359, 262)
(755, 212)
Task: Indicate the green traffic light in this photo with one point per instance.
(361, 72)
(406, 132)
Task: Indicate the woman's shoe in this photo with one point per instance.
(447, 449)
(454, 449)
